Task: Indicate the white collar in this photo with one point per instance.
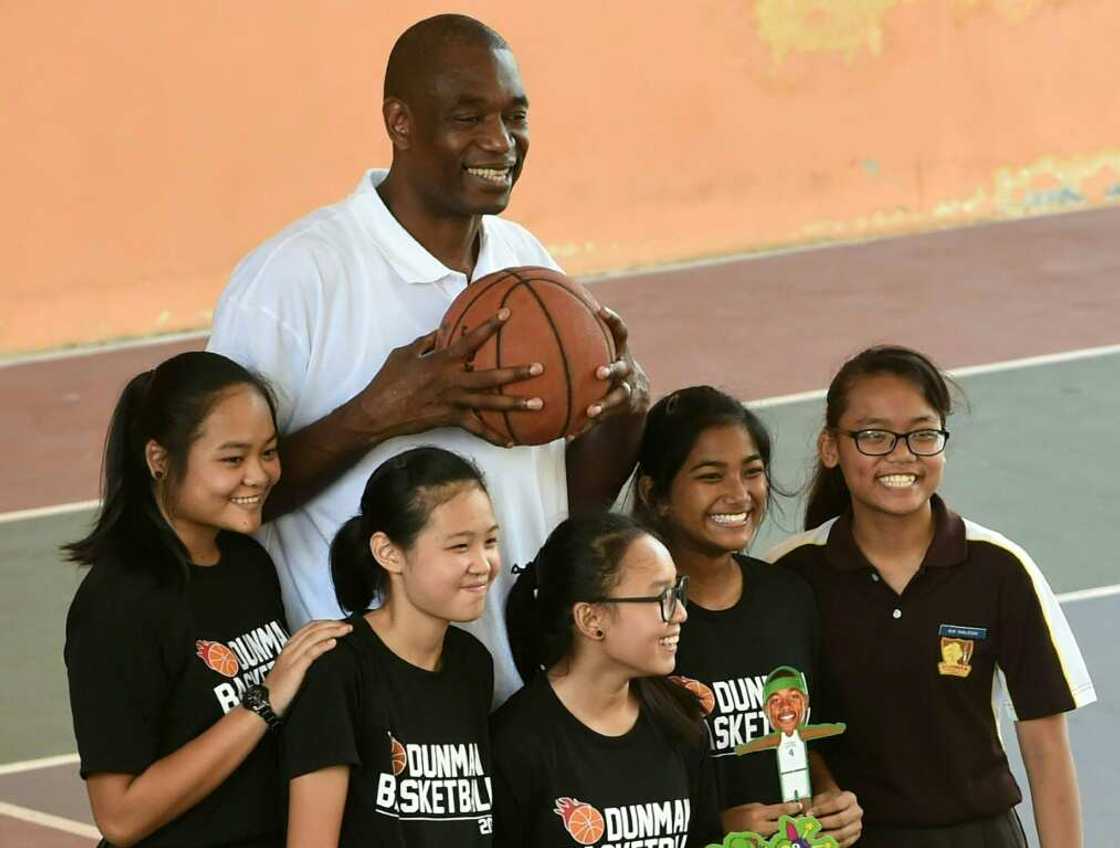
(414, 262)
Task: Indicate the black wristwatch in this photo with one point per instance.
(256, 700)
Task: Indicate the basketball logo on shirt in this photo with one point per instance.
(703, 694)
(583, 822)
(244, 660)
(956, 656)
(399, 755)
(663, 824)
(217, 657)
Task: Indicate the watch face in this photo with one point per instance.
(255, 697)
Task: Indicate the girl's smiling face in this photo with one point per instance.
(446, 572)
(899, 483)
(636, 636)
(718, 497)
(231, 467)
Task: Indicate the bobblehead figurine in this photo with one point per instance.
(786, 697)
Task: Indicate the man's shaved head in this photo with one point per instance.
(416, 55)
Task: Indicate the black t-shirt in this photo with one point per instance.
(416, 741)
(730, 652)
(557, 783)
(151, 666)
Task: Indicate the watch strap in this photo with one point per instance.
(255, 700)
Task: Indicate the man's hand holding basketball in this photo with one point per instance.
(420, 388)
(629, 392)
(601, 456)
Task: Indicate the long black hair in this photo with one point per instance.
(828, 493)
(398, 500)
(673, 426)
(581, 559)
(168, 405)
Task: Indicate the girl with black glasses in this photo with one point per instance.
(599, 747)
(925, 617)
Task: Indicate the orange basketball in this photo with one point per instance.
(554, 321)
(216, 655)
(586, 825)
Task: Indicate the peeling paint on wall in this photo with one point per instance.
(822, 26)
(1013, 10)
(1045, 186)
(1055, 185)
(846, 27)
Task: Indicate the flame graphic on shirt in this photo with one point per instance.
(217, 657)
(583, 822)
(400, 757)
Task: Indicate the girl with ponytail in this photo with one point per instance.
(599, 747)
(177, 652)
(703, 483)
(919, 608)
(388, 742)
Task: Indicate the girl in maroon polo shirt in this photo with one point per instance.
(919, 610)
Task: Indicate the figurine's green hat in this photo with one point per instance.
(783, 677)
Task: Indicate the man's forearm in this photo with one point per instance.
(314, 457)
(600, 461)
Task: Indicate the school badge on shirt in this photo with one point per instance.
(957, 646)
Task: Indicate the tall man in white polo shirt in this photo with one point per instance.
(338, 312)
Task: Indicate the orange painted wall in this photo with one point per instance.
(146, 146)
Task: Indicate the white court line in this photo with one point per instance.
(1033, 361)
(105, 347)
(41, 763)
(965, 371)
(1089, 594)
(47, 820)
(47, 511)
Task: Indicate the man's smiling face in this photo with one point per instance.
(469, 132)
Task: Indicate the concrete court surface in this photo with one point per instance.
(1031, 456)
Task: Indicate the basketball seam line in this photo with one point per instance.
(466, 307)
(559, 344)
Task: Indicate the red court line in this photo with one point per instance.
(757, 327)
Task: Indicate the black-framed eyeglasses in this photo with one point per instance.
(925, 442)
(669, 599)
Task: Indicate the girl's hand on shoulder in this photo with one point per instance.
(758, 818)
(840, 815)
(306, 645)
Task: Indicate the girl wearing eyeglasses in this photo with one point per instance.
(703, 484)
(599, 747)
(918, 608)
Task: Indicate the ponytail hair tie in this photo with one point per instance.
(533, 566)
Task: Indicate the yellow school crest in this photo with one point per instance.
(956, 656)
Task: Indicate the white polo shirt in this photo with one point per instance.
(316, 310)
